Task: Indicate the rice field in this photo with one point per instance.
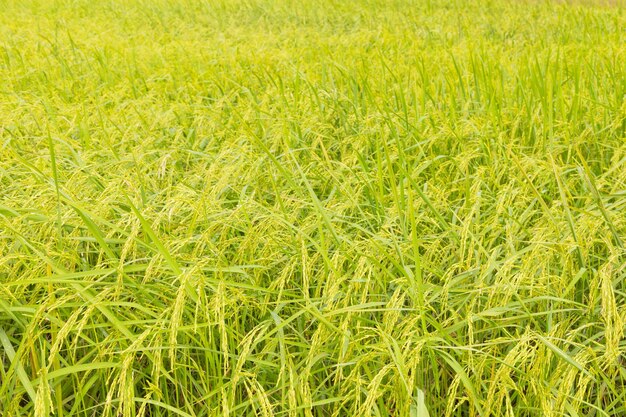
(312, 208)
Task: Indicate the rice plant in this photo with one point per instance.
(312, 208)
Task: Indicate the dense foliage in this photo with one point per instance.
(312, 208)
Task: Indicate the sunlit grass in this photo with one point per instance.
(277, 208)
